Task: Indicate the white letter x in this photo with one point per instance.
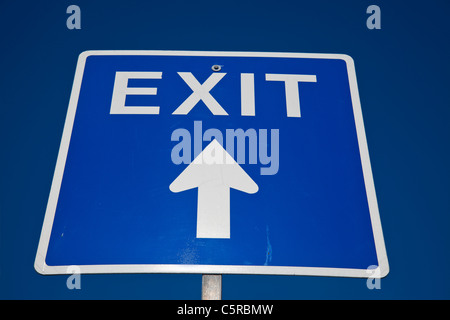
(201, 92)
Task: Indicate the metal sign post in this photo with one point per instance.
(212, 287)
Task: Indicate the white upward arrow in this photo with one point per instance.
(214, 172)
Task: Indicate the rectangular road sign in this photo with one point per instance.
(213, 162)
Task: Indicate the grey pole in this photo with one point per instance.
(212, 287)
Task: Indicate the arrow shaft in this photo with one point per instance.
(213, 211)
(213, 181)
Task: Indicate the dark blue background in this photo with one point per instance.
(402, 73)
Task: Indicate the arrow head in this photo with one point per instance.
(214, 165)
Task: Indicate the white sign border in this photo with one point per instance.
(383, 267)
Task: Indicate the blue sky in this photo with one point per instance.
(402, 72)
